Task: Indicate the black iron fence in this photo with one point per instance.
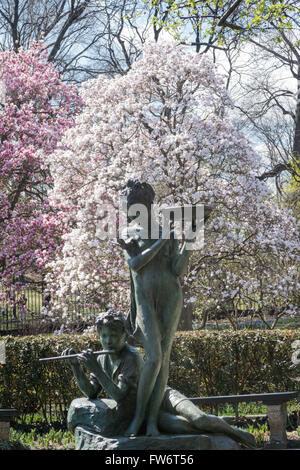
(33, 311)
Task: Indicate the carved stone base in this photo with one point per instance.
(88, 440)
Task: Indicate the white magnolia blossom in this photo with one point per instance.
(166, 122)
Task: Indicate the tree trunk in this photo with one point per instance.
(186, 320)
(296, 143)
(204, 319)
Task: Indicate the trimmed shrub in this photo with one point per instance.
(31, 386)
(202, 364)
(205, 363)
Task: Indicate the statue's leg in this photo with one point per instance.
(170, 318)
(178, 404)
(174, 424)
(158, 394)
(153, 357)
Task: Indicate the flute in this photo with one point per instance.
(70, 356)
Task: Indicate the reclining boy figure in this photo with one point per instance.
(118, 374)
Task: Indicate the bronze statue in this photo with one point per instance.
(140, 401)
(118, 373)
(155, 266)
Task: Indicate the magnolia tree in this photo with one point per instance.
(260, 276)
(166, 123)
(36, 107)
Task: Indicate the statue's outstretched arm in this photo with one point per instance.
(137, 262)
(180, 263)
(180, 260)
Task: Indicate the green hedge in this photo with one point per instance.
(31, 386)
(207, 363)
(202, 364)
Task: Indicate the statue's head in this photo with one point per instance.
(111, 327)
(137, 192)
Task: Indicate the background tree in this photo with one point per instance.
(272, 28)
(84, 37)
(71, 30)
(35, 109)
(60, 22)
(88, 38)
(166, 121)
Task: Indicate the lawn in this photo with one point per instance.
(246, 323)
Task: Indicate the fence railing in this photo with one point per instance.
(31, 311)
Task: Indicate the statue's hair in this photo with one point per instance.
(138, 192)
(112, 318)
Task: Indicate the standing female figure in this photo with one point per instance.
(156, 302)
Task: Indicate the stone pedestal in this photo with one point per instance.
(88, 440)
(277, 416)
(4, 431)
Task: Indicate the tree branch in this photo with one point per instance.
(275, 172)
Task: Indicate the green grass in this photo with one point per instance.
(243, 409)
(289, 324)
(31, 432)
(286, 323)
(33, 440)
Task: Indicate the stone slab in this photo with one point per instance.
(104, 416)
(88, 440)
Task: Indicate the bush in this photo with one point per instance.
(205, 363)
(33, 387)
(202, 364)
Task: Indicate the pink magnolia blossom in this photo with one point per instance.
(36, 107)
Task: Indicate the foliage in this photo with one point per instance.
(231, 363)
(260, 434)
(202, 364)
(15, 444)
(34, 440)
(292, 189)
(31, 386)
(85, 38)
(36, 107)
(247, 17)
